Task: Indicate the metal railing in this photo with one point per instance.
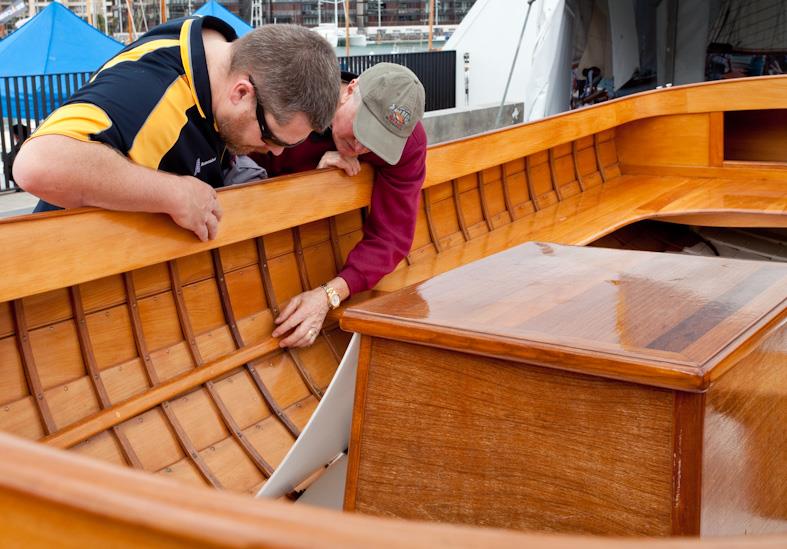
(435, 69)
(27, 100)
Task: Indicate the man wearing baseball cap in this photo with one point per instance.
(378, 120)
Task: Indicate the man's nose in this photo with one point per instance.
(275, 150)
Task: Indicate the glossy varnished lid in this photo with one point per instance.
(663, 319)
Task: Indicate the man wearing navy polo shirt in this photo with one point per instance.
(175, 105)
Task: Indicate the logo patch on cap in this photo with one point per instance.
(398, 116)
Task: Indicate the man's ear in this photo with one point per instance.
(347, 91)
(241, 90)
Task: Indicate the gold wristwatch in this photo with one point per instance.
(333, 296)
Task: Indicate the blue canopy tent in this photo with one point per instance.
(54, 42)
(211, 7)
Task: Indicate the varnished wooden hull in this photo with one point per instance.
(124, 339)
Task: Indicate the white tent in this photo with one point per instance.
(665, 40)
(488, 36)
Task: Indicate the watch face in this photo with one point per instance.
(335, 300)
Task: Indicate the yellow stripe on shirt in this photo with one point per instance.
(162, 128)
(138, 52)
(185, 58)
(78, 120)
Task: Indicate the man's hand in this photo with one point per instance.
(332, 159)
(304, 314)
(198, 208)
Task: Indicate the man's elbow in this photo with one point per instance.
(28, 171)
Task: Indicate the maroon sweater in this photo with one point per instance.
(390, 226)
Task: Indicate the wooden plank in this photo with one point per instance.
(575, 159)
(530, 187)
(534, 444)
(599, 163)
(270, 296)
(95, 376)
(270, 401)
(302, 272)
(553, 175)
(167, 390)
(484, 204)
(430, 221)
(687, 435)
(335, 246)
(224, 413)
(460, 217)
(716, 139)
(31, 372)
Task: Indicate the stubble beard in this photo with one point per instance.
(231, 137)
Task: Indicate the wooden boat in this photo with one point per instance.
(132, 346)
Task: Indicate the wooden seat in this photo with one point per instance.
(626, 199)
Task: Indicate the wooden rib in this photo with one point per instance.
(159, 394)
(229, 421)
(131, 407)
(460, 216)
(302, 272)
(307, 378)
(270, 297)
(331, 346)
(136, 328)
(430, 222)
(89, 358)
(484, 206)
(188, 447)
(553, 174)
(229, 316)
(530, 188)
(598, 158)
(577, 171)
(335, 246)
(29, 366)
(506, 193)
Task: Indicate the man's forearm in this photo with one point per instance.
(71, 173)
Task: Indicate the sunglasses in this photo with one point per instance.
(267, 134)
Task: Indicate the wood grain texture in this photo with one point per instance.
(520, 448)
(744, 475)
(591, 310)
(44, 493)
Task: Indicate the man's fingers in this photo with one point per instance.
(217, 209)
(212, 227)
(202, 232)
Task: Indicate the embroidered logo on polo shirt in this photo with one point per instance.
(200, 164)
(398, 116)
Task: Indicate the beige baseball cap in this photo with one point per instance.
(392, 104)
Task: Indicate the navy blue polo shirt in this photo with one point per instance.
(152, 103)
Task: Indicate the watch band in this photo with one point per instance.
(333, 296)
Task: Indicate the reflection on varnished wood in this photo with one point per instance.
(745, 469)
(674, 316)
(669, 421)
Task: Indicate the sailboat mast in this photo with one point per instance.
(431, 22)
(163, 7)
(346, 28)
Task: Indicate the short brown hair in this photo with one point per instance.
(295, 70)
